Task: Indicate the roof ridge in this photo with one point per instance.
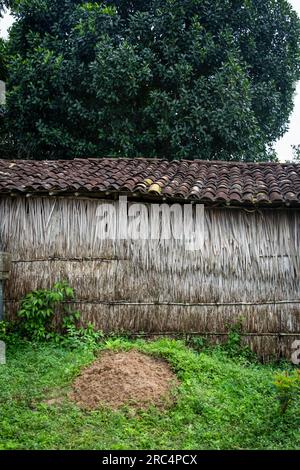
(152, 160)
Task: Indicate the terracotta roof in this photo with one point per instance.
(203, 181)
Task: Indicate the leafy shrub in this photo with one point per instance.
(36, 320)
(287, 388)
(3, 328)
(234, 346)
(199, 343)
(75, 336)
(9, 332)
(38, 310)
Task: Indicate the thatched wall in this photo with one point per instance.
(248, 268)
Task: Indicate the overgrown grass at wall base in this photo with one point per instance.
(221, 403)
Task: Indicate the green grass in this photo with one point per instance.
(221, 404)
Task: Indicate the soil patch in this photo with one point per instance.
(124, 378)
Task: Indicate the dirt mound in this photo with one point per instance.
(124, 378)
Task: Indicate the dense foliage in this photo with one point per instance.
(296, 152)
(2, 60)
(39, 308)
(2, 47)
(158, 78)
(2, 78)
(45, 315)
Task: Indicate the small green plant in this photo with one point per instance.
(76, 336)
(3, 328)
(287, 388)
(199, 343)
(38, 310)
(234, 347)
(9, 332)
(37, 314)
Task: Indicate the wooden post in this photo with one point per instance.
(2, 92)
(5, 266)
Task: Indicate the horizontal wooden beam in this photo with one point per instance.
(176, 304)
(76, 260)
(203, 333)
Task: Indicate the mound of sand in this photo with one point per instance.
(124, 378)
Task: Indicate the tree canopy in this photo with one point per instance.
(2, 47)
(153, 78)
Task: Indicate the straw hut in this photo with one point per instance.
(246, 269)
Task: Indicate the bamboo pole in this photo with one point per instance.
(177, 304)
(203, 333)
